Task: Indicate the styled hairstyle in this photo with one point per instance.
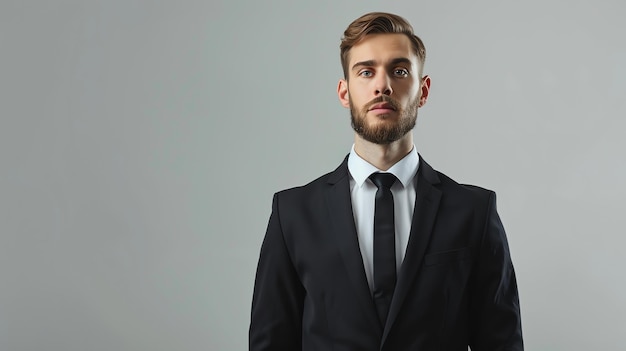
(378, 23)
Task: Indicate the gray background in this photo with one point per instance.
(141, 143)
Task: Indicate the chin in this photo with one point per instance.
(383, 120)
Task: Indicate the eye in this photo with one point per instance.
(401, 72)
(366, 73)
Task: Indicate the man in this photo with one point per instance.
(384, 253)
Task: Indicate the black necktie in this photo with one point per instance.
(384, 244)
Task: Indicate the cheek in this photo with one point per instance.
(412, 95)
(357, 98)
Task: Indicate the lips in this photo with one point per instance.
(382, 106)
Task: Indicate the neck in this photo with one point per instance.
(383, 156)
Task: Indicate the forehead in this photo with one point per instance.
(381, 48)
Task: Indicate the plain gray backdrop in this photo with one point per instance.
(141, 143)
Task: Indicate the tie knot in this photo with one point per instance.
(384, 180)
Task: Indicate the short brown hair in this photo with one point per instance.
(379, 23)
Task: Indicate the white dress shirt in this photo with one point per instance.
(363, 194)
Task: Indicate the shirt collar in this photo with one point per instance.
(404, 170)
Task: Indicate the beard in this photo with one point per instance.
(387, 132)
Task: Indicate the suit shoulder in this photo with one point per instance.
(465, 190)
(311, 186)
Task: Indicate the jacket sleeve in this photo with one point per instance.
(277, 302)
(494, 305)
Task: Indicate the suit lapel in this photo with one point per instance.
(339, 206)
(424, 214)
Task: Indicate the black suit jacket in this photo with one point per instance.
(456, 286)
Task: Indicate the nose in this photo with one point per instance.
(383, 85)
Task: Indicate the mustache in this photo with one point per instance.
(383, 98)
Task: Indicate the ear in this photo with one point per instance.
(424, 90)
(342, 93)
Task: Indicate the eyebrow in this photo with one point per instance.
(370, 63)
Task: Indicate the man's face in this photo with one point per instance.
(384, 89)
